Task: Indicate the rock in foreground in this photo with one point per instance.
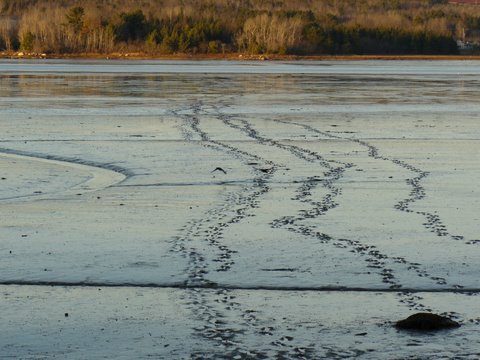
(426, 322)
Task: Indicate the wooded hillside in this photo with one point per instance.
(250, 26)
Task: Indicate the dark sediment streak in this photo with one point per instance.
(105, 166)
(206, 286)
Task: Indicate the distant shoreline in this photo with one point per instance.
(231, 57)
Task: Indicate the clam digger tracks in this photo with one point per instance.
(334, 171)
(434, 222)
(201, 236)
(200, 242)
(376, 258)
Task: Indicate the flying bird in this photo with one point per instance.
(219, 169)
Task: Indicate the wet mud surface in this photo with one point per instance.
(244, 216)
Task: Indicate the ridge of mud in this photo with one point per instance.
(78, 161)
(104, 175)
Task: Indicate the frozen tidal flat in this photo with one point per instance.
(350, 199)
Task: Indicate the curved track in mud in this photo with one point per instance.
(101, 175)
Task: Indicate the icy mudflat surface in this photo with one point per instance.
(350, 200)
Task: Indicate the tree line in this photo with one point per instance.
(250, 26)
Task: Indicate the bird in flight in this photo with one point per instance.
(219, 169)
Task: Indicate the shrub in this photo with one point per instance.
(27, 41)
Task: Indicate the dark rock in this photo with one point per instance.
(426, 322)
(267, 171)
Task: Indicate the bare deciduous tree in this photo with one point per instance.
(8, 33)
(271, 33)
